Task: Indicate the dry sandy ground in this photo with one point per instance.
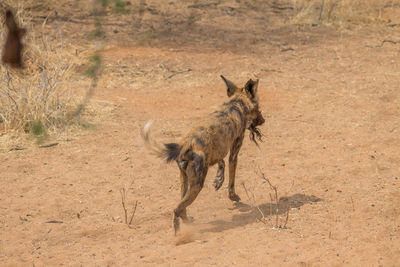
(331, 147)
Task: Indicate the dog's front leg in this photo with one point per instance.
(220, 177)
(233, 157)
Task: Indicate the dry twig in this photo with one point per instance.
(274, 199)
(383, 42)
(123, 201)
(287, 217)
(255, 206)
(178, 72)
(321, 11)
(124, 194)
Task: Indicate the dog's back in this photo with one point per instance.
(214, 135)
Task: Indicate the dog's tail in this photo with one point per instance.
(168, 152)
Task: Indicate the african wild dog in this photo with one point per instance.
(13, 47)
(209, 142)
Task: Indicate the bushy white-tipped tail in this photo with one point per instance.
(167, 152)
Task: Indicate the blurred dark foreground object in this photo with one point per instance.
(12, 49)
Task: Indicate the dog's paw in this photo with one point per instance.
(234, 197)
(218, 181)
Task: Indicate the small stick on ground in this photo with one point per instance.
(275, 189)
(123, 200)
(270, 205)
(277, 205)
(287, 217)
(274, 198)
(321, 11)
(133, 212)
(124, 194)
(48, 145)
(54, 221)
(17, 148)
(253, 205)
(383, 42)
(178, 72)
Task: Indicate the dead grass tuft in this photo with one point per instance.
(37, 98)
(344, 13)
(40, 99)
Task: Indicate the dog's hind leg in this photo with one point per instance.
(233, 157)
(190, 196)
(184, 188)
(219, 178)
(195, 180)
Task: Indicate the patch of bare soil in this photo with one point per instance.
(331, 146)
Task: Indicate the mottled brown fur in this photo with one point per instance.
(209, 142)
(13, 47)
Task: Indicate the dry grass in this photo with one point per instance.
(344, 13)
(39, 92)
(40, 99)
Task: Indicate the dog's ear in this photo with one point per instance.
(231, 87)
(251, 89)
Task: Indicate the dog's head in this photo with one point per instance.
(254, 115)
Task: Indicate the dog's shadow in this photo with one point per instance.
(250, 214)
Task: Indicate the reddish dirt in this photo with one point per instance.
(331, 146)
